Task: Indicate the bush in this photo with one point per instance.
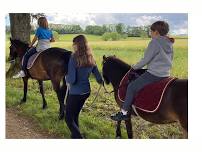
(56, 35)
(124, 36)
(106, 36)
(113, 36)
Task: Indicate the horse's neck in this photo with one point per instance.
(119, 75)
(21, 55)
(23, 52)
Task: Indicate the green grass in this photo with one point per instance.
(94, 121)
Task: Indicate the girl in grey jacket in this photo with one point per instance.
(158, 59)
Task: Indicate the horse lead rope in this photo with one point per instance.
(96, 96)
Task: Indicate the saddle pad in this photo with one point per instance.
(32, 59)
(149, 98)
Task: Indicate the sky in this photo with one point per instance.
(178, 21)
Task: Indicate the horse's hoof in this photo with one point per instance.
(118, 137)
(44, 107)
(22, 101)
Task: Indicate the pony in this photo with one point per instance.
(174, 105)
(51, 64)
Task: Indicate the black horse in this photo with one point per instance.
(174, 105)
(51, 64)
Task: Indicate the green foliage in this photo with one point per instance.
(66, 29)
(113, 36)
(56, 35)
(95, 30)
(143, 34)
(120, 28)
(142, 31)
(124, 36)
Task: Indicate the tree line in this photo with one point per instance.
(122, 29)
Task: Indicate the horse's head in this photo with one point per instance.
(17, 49)
(113, 69)
(105, 69)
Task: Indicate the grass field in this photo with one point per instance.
(95, 121)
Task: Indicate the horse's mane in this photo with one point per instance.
(121, 64)
(113, 59)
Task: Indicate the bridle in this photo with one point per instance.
(14, 53)
(15, 50)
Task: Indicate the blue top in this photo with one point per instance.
(78, 77)
(43, 33)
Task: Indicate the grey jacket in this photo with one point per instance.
(158, 57)
(42, 45)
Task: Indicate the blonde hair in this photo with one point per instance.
(42, 22)
(83, 53)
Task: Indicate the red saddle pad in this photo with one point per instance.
(149, 98)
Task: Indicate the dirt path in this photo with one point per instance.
(18, 127)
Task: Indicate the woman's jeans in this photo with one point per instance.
(73, 107)
(136, 85)
(26, 57)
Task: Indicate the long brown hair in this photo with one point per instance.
(42, 22)
(83, 53)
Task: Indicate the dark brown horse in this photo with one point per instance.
(174, 105)
(52, 64)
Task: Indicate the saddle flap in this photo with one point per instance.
(32, 59)
(149, 98)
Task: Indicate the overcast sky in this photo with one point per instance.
(178, 22)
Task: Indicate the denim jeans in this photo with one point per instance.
(26, 57)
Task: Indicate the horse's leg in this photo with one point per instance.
(56, 87)
(184, 124)
(185, 134)
(129, 128)
(25, 81)
(42, 93)
(63, 90)
(118, 129)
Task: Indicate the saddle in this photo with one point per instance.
(148, 98)
(32, 59)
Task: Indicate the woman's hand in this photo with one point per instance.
(33, 41)
(52, 40)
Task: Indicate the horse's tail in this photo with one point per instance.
(66, 57)
(64, 88)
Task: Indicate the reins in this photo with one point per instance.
(95, 96)
(106, 92)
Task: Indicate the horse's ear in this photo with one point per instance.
(11, 39)
(104, 57)
(114, 55)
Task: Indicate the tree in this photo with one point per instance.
(20, 29)
(20, 26)
(120, 28)
(94, 29)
